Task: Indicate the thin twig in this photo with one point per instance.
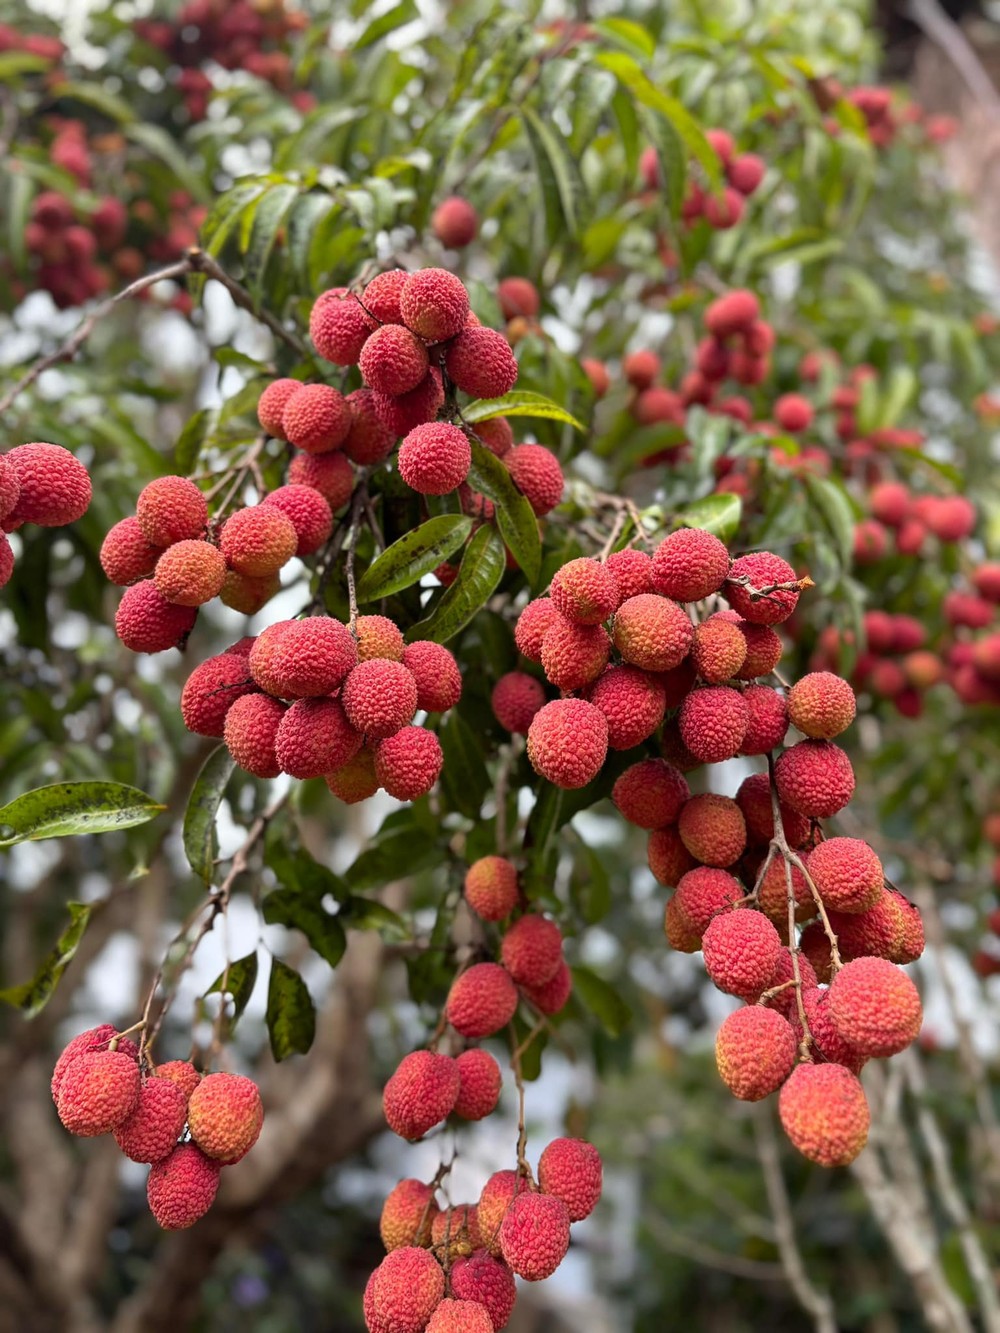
(781, 842)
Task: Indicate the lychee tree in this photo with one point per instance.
(560, 446)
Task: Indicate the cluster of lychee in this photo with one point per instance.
(315, 698)
(743, 173)
(235, 34)
(616, 638)
(902, 522)
(452, 1269)
(42, 484)
(185, 1125)
(171, 559)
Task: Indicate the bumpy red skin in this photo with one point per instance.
(98, 1092)
(641, 368)
(574, 655)
(718, 650)
(330, 474)
(538, 475)
(182, 1073)
(408, 764)
(793, 413)
(246, 594)
(182, 1187)
(339, 325)
(754, 799)
(434, 304)
(571, 1170)
(190, 572)
(272, 403)
(515, 700)
(299, 659)
(401, 412)
(821, 705)
(824, 1113)
(147, 623)
(534, 1235)
(455, 222)
(421, 1093)
(308, 512)
(408, 1286)
(211, 689)
(772, 894)
(378, 636)
(632, 701)
(408, 1215)
(225, 1115)
(875, 1007)
(156, 1123)
(479, 1088)
(755, 1051)
(258, 540)
(381, 296)
(379, 697)
(732, 313)
(767, 720)
(532, 624)
(702, 893)
(486, 1280)
(746, 172)
(170, 509)
(393, 360)
(763, 650)
(480, 362)
(551, 998)
(435, 458)
(369, 440)
(250, 732)
(568, 742)
(93, 1039)
(496, 434)
(481, 1001)
(689, 564)
(847, 873)
(712, 829)
(713, 722)
(815, 778)
(53, 486)
(126, 555)
(650, 793)
(439, 681)
(460, 1317)
(314, 737)
(741, 951)
(652, 632)
(785, 1001)
(763, 569)
(827, 1040)
(531, 950)
(632, 572)
(597, 373)
(491, 888)
(584, 591)
(518, 296)
(10, 489)
(6, 561)
(356, 780)
(316, 419)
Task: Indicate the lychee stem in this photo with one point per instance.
(781, 843)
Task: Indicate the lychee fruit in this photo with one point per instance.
(408, 1215)
(171, 509)
(767, 720)
(534, 1235)
(574, 655)
(741, 950)
(453, 1316)
(552, 996)
(53, 486)
(98, 1092)
(759, 601)
(650, 793)
(718, 650)
(250, 731)
(568, 742)
(712, 829)
(379, 697)
(433, 667)
(315, 737)
(584, 591)
(211, 689)
(421, 1093)
(689, 564)
(875, 1006)
(538, 475)
(126, 556)
(156, 1123)
(815, 778)
(272, 403)
(225, 1115)
(455, 222)
(182, 1187)
(516, 698)
(330, 474)
(339, 326)
(713, 722)
(755, 1051)
(532, 625)
(408, 763)
(481, 1001)
(316, 419)
(190, 572)
(434, 304)
(298, 659)
(821, 705)
(308, 512)
(668, 859)
(632, 572)
(487, 1281)
(632, 701)
(480, 363)
(381, 296)
(407, 1287)
(479, 1086)
(571, 1170)
(435, 458)
(354, 781)
(825, 1114)
(491, 888)
(258, 540)
(652, 632)
(147, 623)
(847, 873)
(531, 950)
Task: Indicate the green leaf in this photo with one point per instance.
(830, 500)
(225, 214)
(631, 76)
(719, 514)
(398, 852)
(15, 63)
(189, 443)
(238, 980)
(32, 996)
(202, 809)
(481, 571)
(415, 554)
(160, 144)
(108, 104)
(899, 392)
(268, 219)
(464, 775)
(515, 516)
(632, 36)
(308, 212)
(519, 403)
(291, 1014)
(68, 808)
(558, 174)
(602, 1000)
(300, 872)
(324, 932)
(369, 914)
(400, 14)
(19, 204)
(672, 158)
